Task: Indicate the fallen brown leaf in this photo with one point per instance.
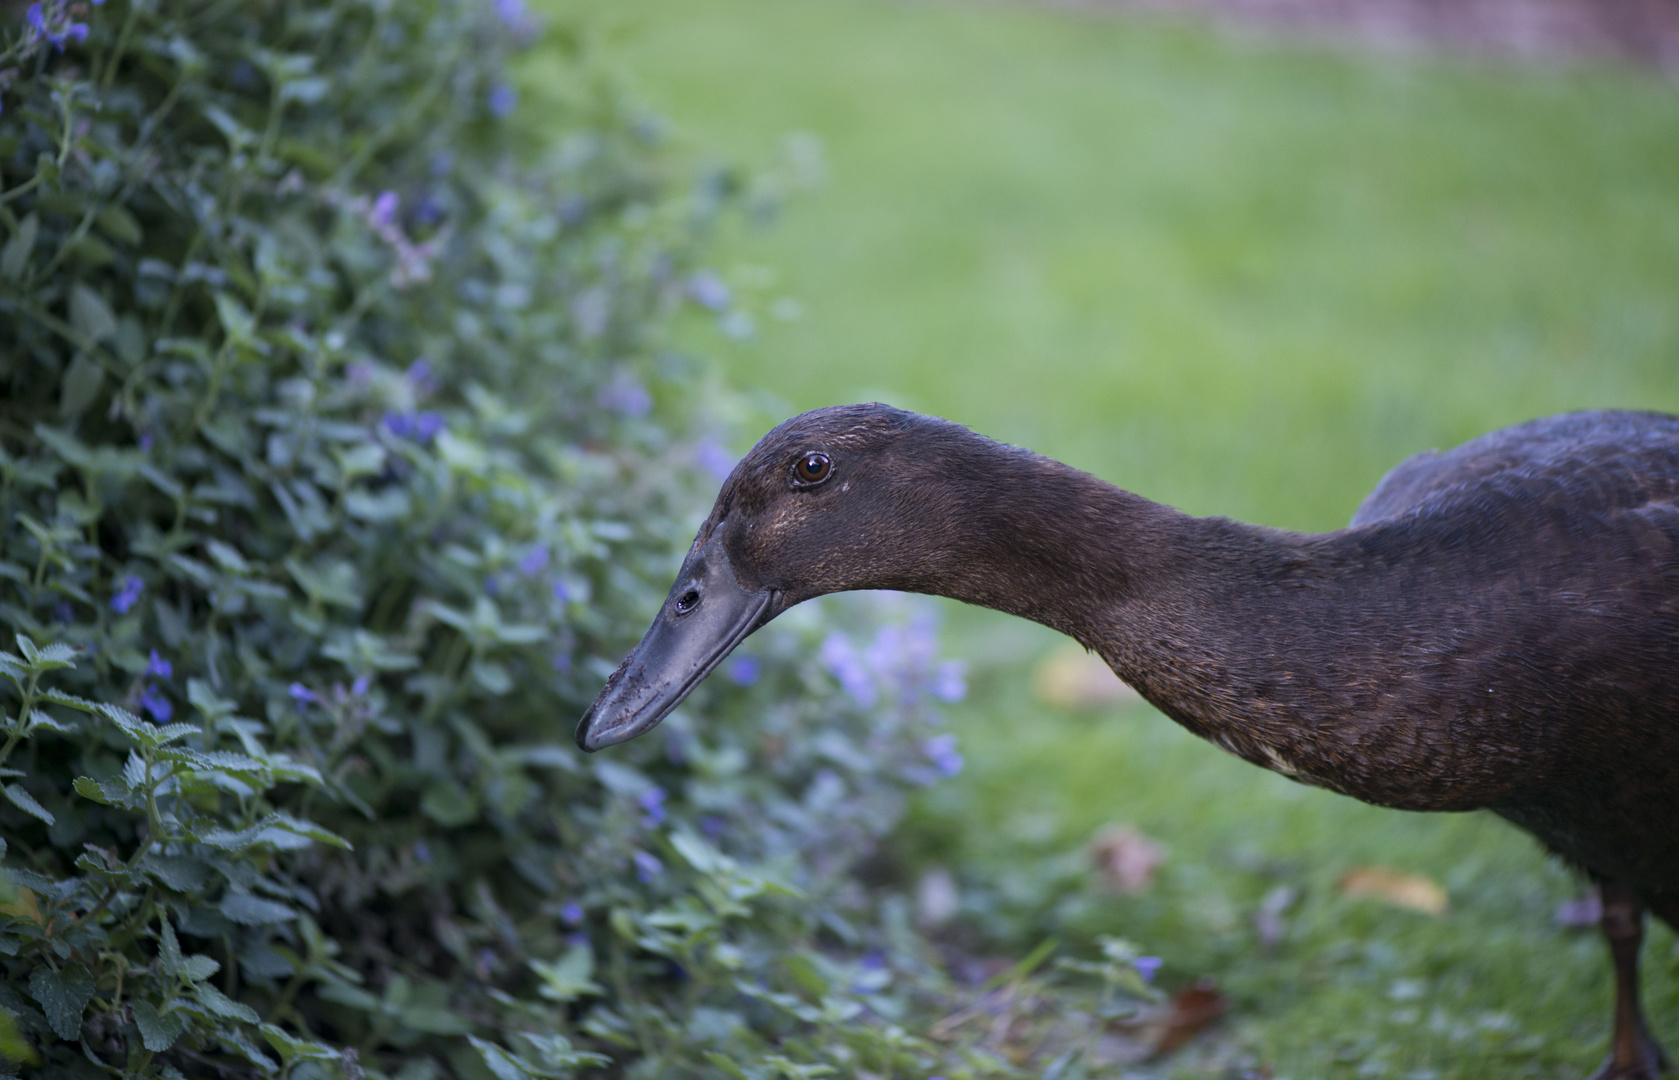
(1074, 679)
(1413, 891)
(1126, 859)
(1190, 1011)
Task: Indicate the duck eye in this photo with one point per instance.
(813, 468)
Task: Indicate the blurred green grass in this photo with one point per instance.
(1243, 278)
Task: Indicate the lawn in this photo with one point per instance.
(1244, 278)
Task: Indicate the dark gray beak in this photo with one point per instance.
(707, 613)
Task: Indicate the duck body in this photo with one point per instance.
(1498, 627)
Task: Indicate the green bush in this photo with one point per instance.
(339, 462)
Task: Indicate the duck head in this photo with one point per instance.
(849, 497)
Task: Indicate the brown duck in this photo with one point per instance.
(1497, 629)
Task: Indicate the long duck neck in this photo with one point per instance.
(1256, 639)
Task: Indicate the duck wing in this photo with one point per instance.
(1595, 463)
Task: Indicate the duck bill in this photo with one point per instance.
(707, 613)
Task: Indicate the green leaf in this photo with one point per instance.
(80, 388)
(158, 1030)
(115, 221)
(14, 257)
(69, 701)
(26, 802)
(88, 788)
(501, 1063)
(14, 1048)
(90, 315)
(293, 1049)
(169, 949)
(248, 910)
(222, 1005)
(63, 996)
(570, 977)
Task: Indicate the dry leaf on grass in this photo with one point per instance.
(1078, 680)
(1126, 859)
(1412, 891)
(1168, 1026)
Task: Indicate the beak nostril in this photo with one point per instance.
(687, 602)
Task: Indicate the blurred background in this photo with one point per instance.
(1242, 259)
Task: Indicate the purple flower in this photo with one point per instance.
(941, 751)
(384, 210)
(560, 662)
(421, 427)
(577, 940)
(711, 825)
(420, 377)
(647, 867)
(145, 441)
(492, 585)
(127, 595)
(63, 612)
(422, 854)
(715, 460)
(503, 100)
(708, 290)
(744, 671)
(36, 19)
(156, 704)
(486, 964)
(652, 803)
(532, 561)
(427, 426)
(950, 681)
(1146, 966)
(302, 694)
(561, 592)
(360, 686)
(841, 659)
(572, 913)
(512, 13)
(160, 667)
(624, 396)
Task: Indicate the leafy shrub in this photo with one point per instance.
(339, 462)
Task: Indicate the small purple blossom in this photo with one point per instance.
(63, 612)
(577, 940)
(941, 751)
(383, 212)
(160, 707)
(503, 100)
(712, 826)
(840, 657)
(421, 427)
(486, 964)
(708, 290)
(950, 681)
(492, 585)
(560, 662)
(1146, 966)
(422, 854)
(715, 460)
(159, 667)
(652, 803)
(145, 441)
(532, 561)
(127, 595)
(360, 686)
(572, 913)
(302, 694)
(624, 396)
(561, 592)
(421, 378)
(744, 671)
(647, 867)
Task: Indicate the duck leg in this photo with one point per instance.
(1633, 1054)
